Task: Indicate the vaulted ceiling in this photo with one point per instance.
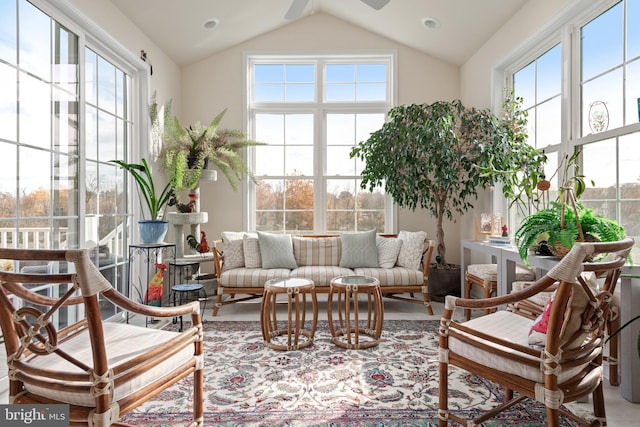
(178, 26)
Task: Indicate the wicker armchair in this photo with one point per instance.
(565, 364)
(102, 370)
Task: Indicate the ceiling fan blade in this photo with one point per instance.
(296, 9)
(376, 4)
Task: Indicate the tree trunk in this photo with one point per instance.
(440, 249)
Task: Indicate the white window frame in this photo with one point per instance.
(320, 111)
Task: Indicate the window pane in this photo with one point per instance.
(8, 39)
(633, 29)
(548, 123)
(34, 172)
(264, 73)
(299, 161)
(339, 163)
(340, 73)
(106, 136)
(549, 73)
(599, 165)
(340, 92)
(298, 129)
(602, 103)
(524, 85)
(299, 92)
(629, 162)
(300, 73)
(269, 194)
(341, 129)
(601, 43)
(270, 160)
(106, 86)
(35, 111)
(632, 93)
(90, 75)
(65, 131)
(8, 105)
(35, 41)
(8, 181)
(372, 73)
(91, 133)
(92, 189)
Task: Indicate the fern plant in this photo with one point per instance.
(548, 224)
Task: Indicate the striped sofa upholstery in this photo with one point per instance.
(318, 259)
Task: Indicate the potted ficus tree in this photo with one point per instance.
(438, 156)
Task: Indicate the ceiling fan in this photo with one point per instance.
(298, 6)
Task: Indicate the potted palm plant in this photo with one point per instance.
(437, 156)
(154, 229)
(187, 150)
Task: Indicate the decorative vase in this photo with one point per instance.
(153, 231)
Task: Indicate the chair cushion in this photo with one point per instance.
(123, 342)
(510, 327)
(490, 272)
(396, 276)
(321, 275)
(251, 277)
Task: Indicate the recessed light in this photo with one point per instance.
(431, 23)
(210, 23)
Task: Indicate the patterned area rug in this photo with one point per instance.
(393, 384)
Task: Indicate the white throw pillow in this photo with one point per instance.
(388, 250)
(276, 250)
(251, 249)
(410, 255)
(233, 249)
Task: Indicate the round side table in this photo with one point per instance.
(350, 329)
(184, 289)
(297, 337)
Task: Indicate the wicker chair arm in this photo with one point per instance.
(127, 304)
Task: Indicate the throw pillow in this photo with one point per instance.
(232, 249)
(359, 250)
(276, 250)
(388, 250)
(412, 248)
(251, 250)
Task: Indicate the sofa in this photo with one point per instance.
(245, 261)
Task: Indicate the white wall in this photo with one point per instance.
(216, 83)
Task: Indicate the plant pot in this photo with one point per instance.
(153, 231)
(192, 160)
(443, 282)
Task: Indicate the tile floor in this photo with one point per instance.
(620, 412)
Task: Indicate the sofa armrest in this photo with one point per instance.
(426, 257)
(218, 257)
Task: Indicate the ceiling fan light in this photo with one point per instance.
(376, 4)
